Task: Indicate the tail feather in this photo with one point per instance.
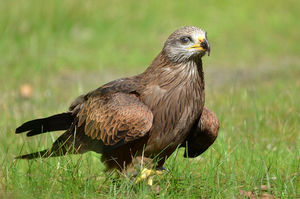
(46, 153)
(42, 154)
(60, 147)
(53, 123)
(65, 144)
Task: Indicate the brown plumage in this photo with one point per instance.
(151, 113)
(202, 135)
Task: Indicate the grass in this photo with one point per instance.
(66, 48)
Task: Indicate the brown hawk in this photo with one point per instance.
(149, 114)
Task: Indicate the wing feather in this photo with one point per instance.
(115, 117)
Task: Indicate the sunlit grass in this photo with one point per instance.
(257, 145)
(65, 48)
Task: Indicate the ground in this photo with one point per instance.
(58, 50)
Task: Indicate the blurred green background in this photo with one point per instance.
(63, 48)
(44, 37)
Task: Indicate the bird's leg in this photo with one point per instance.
(143, 169)
(137, 165)
(148, 174)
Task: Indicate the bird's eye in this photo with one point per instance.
(185, 40)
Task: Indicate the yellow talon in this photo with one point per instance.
(146, 173)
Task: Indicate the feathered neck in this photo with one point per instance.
(163, 71)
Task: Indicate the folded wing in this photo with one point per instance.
(115, 117)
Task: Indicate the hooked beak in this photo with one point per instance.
(203, 46)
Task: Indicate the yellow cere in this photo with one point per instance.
(201, 39)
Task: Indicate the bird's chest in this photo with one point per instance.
(175, 110)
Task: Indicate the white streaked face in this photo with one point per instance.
(187, 43)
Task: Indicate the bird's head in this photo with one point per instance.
(186, 43)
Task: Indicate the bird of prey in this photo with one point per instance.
(149, 114)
